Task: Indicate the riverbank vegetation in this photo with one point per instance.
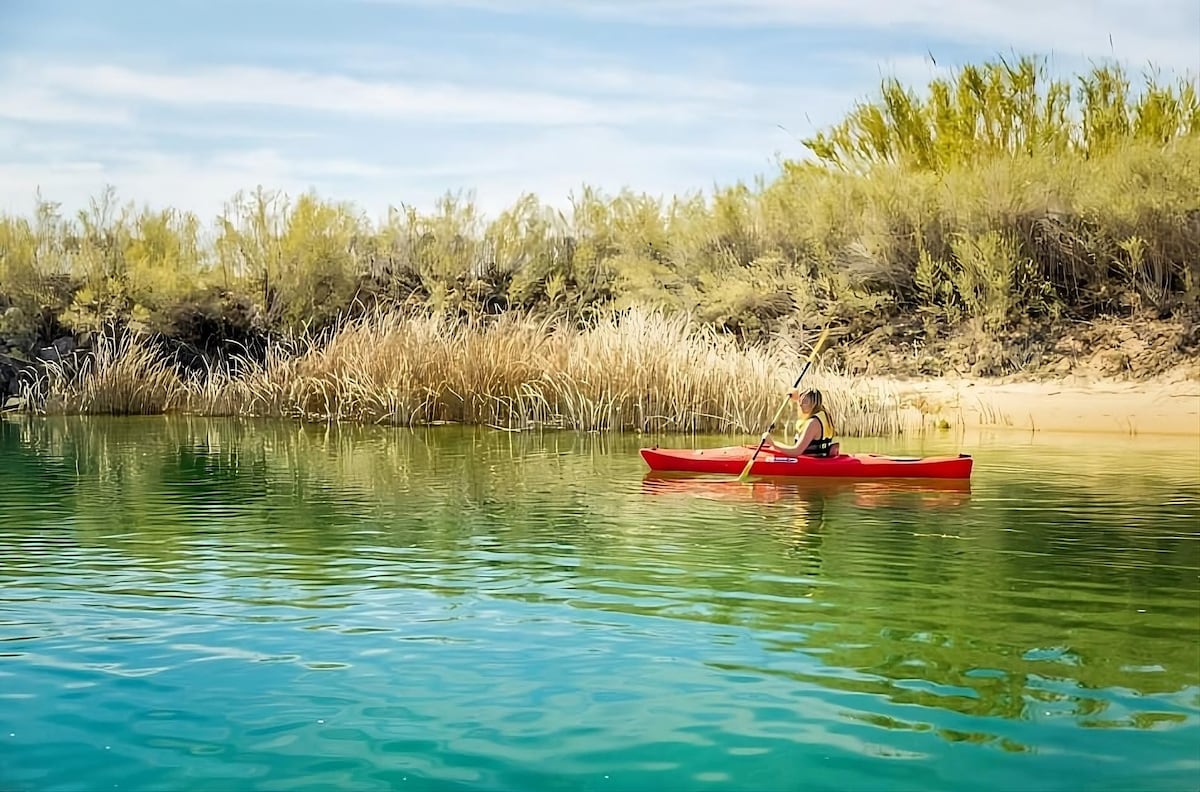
(639, 370)
(974, 226)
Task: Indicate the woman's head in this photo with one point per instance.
(809, 401)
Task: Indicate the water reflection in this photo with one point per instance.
(478, 581)
(894, 493)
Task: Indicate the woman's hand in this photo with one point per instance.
(774, 447)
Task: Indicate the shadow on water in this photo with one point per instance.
(1049, 590)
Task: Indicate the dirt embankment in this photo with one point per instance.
(1108, 348)
(1111, 375)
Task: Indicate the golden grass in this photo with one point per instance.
(122, 376)
(639, 370)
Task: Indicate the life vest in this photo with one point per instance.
(824, 442)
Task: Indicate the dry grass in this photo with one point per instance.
(122, 376)
(641, 370)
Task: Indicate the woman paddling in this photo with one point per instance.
(814, 428)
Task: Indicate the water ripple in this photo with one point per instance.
(205, 605)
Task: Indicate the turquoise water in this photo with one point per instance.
(201, 605)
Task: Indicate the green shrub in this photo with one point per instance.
(996, 194)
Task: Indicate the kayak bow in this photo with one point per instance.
(732, 459)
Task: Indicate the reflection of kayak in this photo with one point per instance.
(932, 493)
(731, 459)
(664, 482)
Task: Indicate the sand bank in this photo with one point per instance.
(1167, 405)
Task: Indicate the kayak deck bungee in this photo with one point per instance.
(732, 460)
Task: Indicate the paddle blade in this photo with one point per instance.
(746, 470)
(750, 462)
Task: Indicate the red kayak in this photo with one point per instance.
(732, 459)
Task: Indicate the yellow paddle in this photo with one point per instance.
(779, 412)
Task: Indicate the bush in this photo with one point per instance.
(995, 195)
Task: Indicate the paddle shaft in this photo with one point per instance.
(779, 412)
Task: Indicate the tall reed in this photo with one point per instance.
(638, 370)
(122, 375)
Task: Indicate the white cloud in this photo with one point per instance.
(43, 105)
(1165, 33)
(572, 113)
(551, 164)
(159, 180)
(672, 127)
(618, 80)
(330, 93)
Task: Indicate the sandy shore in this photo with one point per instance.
(1167, 405)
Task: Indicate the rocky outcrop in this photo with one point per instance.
(57, 350)
(10, 377)
(22, 365)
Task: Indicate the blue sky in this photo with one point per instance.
(386, 102)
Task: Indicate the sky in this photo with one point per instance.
(182, 103)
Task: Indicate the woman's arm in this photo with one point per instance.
(812, 430)
(775, 445)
